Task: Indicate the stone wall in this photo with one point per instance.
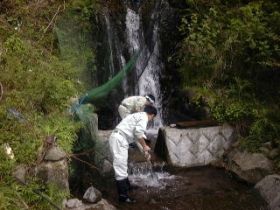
(190, 147)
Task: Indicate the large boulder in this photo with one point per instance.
(269, 188)
(251, 167)
(52, 164)
(92, 195)
(54, 172)
(103, 156)
(190, 147)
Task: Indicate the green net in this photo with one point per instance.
(87, 145)
(104, 89)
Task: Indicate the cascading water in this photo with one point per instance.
(110, 43)
(147, 174)
(148, 66)
(123, 41)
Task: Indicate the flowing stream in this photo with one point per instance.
(205, 188)
(171, 188)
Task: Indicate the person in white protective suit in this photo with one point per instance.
(134, 104)
(130, 129)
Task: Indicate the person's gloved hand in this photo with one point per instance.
(147, 155)
(146, 148)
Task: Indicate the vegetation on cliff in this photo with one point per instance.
(41, 69)
(230, 57)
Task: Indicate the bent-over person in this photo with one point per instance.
(130, 129)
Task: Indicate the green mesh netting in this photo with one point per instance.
(104, 89)
(75, 46)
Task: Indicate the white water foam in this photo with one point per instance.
(148, 65)
(145, 175)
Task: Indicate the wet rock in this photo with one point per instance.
(54, 172)
(76, 204)
(274, 153)
(55, 154)
(103, 205)
(251, 167)
(153, 201)
(20, 172)
(92, 195)
(269, 188)
(264, 150)
(107, 167)
(103, 157)
(73, 203)
(267, 145)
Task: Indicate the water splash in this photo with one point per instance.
(145, 174)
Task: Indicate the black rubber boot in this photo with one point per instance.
(122, 188)
(129, 186)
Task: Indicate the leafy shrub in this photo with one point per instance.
(36, 85)
(231, 51)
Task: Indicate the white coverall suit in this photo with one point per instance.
(129, 129)
(131, 105)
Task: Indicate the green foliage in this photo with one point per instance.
(16, 46)
(85, 8)
(12, 198)
(216, 40)
(38, 89)
(266, 127)
(234, 105)
(7, 197)
(75, 37)
(50, 125)
(36, 85)
(6, 165)
(231, 49)
(38, 196)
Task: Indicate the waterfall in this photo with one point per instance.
(124, 34)
(110, 43)
(148, 66)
